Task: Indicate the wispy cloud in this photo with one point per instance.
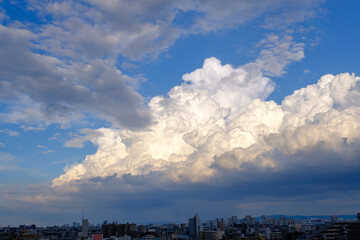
(9, 163)
(33, 128)
(10, 132)
(48, 151)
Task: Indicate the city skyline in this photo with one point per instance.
(227, 220)
(265, 227)
(152, 111)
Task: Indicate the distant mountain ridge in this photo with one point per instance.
(301, 217)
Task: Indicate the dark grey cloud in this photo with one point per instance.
(63, 90)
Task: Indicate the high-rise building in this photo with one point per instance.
(84, 228)
(334, 218)
(270, 220)
(263, 220)
(282, 220)
(194, 227)
(248, 219)
(211, 223)
(220, 223)
(183, 228)
(233, 220)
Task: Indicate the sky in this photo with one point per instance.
(150, 111)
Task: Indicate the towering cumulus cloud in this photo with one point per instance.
(219, 119)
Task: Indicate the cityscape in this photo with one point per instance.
(179, 119)
(233, 228)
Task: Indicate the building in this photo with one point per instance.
(96, 236)
(220, 223)
(249, 220)
(84, 228)
(211, 235)
(194, 227)
(282, 221)
(233, 220)
(334, 231)
(119, 230)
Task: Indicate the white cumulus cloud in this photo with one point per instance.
(217, 109)
(219, 119)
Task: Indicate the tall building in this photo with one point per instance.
(263, 219)
(249, 220)
(84, 228)
(334, 218)
(194, 227)
(282, 221)
(220, 223)
(233, 220)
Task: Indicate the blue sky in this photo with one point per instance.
(152, 112)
